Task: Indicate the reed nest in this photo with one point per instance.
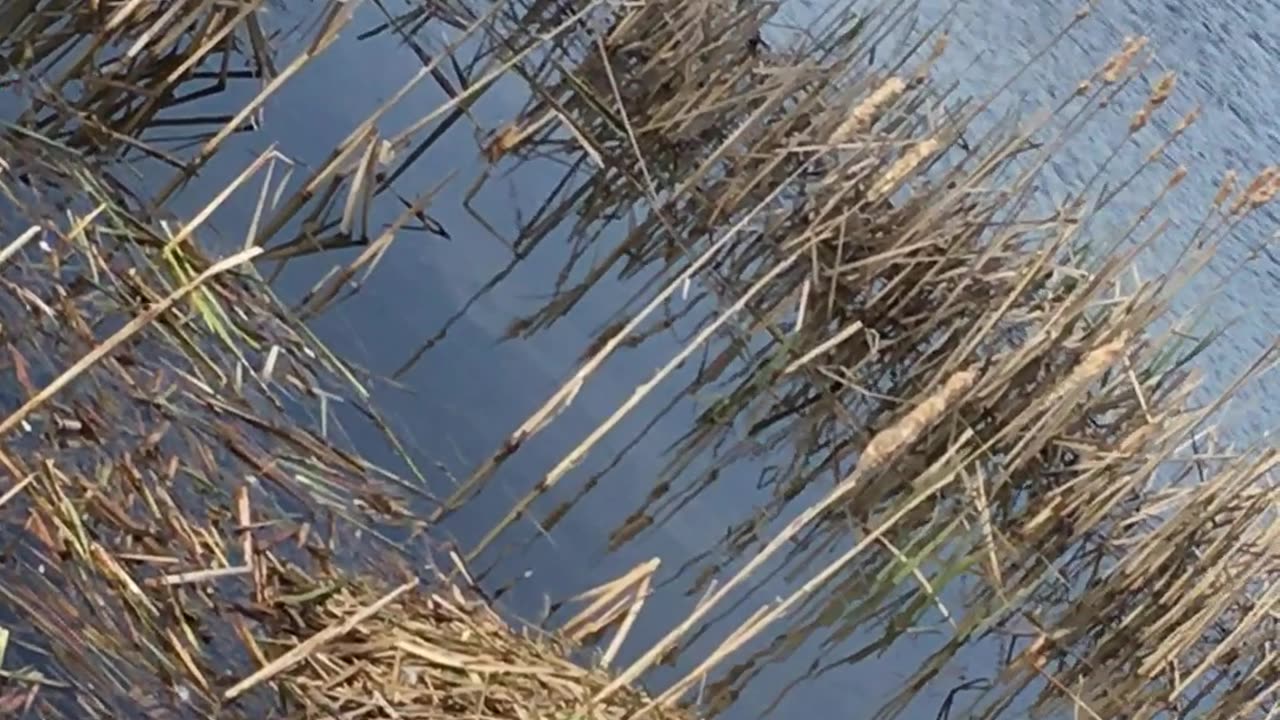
(973, 418)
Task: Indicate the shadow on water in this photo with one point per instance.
(458, 401)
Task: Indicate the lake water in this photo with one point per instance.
(469, 392)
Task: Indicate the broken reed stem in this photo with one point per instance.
(20, 242)
(633, 612)
(301, 651)
(212, 206)
(629, 591)
(196, 576)
(122, 335)
(885, 444)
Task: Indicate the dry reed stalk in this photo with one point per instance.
(944, 274)
(945, 468)
(340, 14)
(15, 246)
(140, 506)
(569, 390)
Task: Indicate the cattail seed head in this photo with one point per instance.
(940, 45)
(1225, 189)
(1117, 65)
(1093, 364)
(1162, 89)
(904, 166)
(907, 430)
(1187, 121)
(1268, 192)
(869, 110)
(1140, 119)
(1258, 192)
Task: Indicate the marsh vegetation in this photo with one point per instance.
(956, 406)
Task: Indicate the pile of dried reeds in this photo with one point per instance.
(415, 654)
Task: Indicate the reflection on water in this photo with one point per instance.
(471, 389)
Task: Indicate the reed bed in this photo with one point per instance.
(974, 418)
(883, 307)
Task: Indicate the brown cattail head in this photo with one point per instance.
(1187, 120)
(1225, 189)
(502, 143)
(1267, 193)
(1093, 364)
(1036, 656)
(904, 166)
(907, 430)
(939, 46)
(1162, 88)
(1179, 174)
(870, 109)
(1259, 192)
(1140, 119)
(1117, 65)
(1100, 358)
